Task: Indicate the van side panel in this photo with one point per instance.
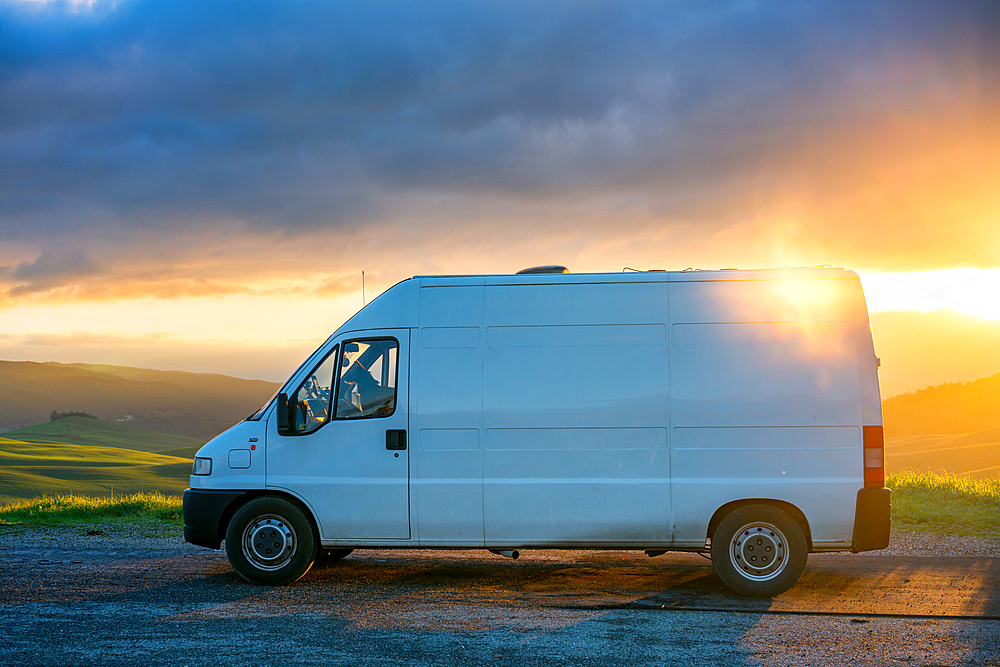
(575, 384)
(446, 421)
(765, 401)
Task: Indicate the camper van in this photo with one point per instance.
(731, 413)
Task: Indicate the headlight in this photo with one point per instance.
(201, 466)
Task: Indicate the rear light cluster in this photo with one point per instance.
(874, 447)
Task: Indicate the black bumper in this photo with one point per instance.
(871, 520)
(203, 512)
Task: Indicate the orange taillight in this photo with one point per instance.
(874, 449)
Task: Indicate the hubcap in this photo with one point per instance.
(269, 542)
(758, 551)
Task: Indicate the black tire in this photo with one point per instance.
(271, 541)
(759, 551)
(334, 554)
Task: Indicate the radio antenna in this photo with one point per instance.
(363, 301)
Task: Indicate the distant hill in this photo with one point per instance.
(947, 409)
(194, 405)
(86, 456)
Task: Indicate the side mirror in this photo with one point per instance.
(283, 420)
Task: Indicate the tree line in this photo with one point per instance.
(55, 414)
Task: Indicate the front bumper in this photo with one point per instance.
(871, 520)
(203, 512)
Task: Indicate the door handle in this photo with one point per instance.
(395, 439)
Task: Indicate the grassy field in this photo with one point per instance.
(946, 504)
(87, 457)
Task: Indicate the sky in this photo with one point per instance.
(199, 185)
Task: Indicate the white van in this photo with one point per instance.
(730, 412)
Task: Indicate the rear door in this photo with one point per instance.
(348, 457)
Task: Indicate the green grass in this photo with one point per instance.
(63, 510)
(31, 469)
(946, 504)
(92, 432)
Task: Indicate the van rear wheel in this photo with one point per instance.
(759, 551)
(270, 541)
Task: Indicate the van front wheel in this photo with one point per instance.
(270, 541)
(759, 551)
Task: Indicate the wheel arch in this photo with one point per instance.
(234, 507)
(794, 512)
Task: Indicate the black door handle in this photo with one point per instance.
(395, 439)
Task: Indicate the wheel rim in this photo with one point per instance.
(269, 542)
(758, 551)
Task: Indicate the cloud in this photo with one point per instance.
(51, 269)
(267, 135)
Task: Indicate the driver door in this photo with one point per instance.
(346, 455)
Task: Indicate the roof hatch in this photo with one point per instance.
(553, 268)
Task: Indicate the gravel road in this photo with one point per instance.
(123, 598)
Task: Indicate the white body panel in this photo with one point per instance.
(575, 415)
(591, 410)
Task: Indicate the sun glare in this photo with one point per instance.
(974, 291)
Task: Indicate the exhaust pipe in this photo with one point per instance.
(506, 553)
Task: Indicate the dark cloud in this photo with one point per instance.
(49, 270)
(170, 116)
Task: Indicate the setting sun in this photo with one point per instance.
(973, 291)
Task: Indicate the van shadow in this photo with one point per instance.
(579, 581)
(600, 603)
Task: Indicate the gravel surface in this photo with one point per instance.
(130, 596)
(907, 543)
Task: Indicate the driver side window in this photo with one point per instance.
(311, 400)
(367, 386)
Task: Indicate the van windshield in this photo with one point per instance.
(256, 415)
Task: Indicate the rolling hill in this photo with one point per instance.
(953, 427)
(974, 455)
(86, 456)
(948, 409)
(194, 405)
(84, 431)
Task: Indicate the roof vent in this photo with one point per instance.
(544, 269)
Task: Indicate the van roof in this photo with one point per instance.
(687, 275)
